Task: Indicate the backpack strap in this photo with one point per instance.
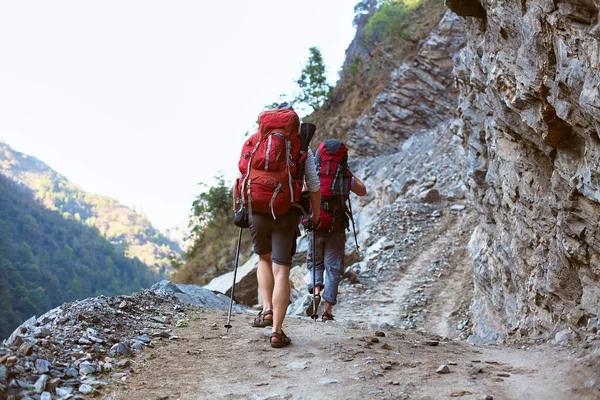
(246, 183)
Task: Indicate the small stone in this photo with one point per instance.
(85, 389)
(328, 381)
(158, 319)
(40, 384)
(52, 384)
(488, 397)
(3, 375)
(64, 391)
(46, 396)
(119, 349)
(377, 373)
(457, 207)
(443, 369)
(10, 361)
(86, 368)
(431, 342)
(298, 365)
(123, 363)
(123, 305)
(143, 339)
(386, 346)
(41, 333)
(374, 340)
(379, 333)
(138, 347)
(84, 341)
(386, 366)
(503, 374)
(26, 349)
(42, 366)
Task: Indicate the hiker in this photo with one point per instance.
(337, 181)
(275, 163)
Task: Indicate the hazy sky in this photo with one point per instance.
(141, 100)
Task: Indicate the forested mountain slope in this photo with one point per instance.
(46, 260)
(121, 225)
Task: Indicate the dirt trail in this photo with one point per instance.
(331, 361)
(344, 359)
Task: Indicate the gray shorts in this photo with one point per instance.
(275, 236)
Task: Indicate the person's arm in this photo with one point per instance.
(357, 187)
(313, 183)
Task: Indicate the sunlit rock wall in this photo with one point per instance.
(529, 118)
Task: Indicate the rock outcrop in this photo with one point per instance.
(421, 94)
(529, 118)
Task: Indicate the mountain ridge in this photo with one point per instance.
(121, 225)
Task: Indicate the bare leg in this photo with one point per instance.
(265, 281)
(281, 295)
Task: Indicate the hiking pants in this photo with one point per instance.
(329, 261)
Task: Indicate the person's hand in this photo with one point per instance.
(315, 222)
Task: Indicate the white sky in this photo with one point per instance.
(140, 100)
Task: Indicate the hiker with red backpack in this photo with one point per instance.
(326, 257)
(275, 164)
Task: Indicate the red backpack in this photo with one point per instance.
(332, 166)
(268, 164)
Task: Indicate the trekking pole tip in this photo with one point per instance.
(227, 326)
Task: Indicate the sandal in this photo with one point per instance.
(327, 317)
(309, 310)
(283, 340)
(261, 320)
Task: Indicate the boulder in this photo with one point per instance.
(246, 284)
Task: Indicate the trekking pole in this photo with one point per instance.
(314, 315)
(237, 258)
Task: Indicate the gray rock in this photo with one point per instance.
(143, 339)
(40, 384)
(42, 366)
(246, 287)
(15, 339)
(137, 347)
(42, 332)
(85, 389)
(86, 368)
(443, 369)
(194, 295)
(328, 381)
(46, 396)
(64, 391)
(298, 365)
(3, 376)
(119, 349)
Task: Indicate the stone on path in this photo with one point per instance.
(298, 365)
(328, 381)
(443, 369)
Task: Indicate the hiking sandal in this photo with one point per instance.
(309, 310)
(282, 338)
(261, 321)
(327, 317)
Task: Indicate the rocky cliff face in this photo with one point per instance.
(529, 118)
(421, 94)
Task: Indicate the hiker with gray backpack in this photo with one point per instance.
(325, 258)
